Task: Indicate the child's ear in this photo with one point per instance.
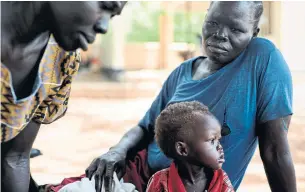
(181, 148)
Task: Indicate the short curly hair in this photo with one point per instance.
(173, 124)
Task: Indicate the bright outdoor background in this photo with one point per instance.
(123, 71)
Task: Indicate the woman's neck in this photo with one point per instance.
(191, 173)
(22, 23)
(212, 65)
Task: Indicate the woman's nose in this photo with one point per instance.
(102, 24)
(221, 34)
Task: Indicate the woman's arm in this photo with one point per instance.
(130, 140)
(274, 110)
(275, 153)
(15, 160)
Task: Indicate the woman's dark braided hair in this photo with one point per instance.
(258, 10)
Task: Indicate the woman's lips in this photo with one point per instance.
(83, 42)
(85, 39)
(214, 49)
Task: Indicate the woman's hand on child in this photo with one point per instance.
(104, 167)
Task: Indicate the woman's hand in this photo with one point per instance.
(103, 168)
(114, 160)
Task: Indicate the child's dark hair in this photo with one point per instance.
(173, 124)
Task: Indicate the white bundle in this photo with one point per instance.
(86, 185)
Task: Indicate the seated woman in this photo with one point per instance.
(245, 82)
(189, 134)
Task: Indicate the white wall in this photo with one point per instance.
(293, 34)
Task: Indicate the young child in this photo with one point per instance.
(189, 134)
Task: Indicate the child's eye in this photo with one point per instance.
(235, 30)
(213, 141)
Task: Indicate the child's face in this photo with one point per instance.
(205, 149)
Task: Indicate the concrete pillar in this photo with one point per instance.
(113, 45)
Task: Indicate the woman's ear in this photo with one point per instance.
(256, 32)
(181, 148)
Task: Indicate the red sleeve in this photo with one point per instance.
(227, 185)
(158, 182)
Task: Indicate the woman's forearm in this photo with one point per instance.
(16, 173)
(281, 173)
(15, 156)
(130, 140)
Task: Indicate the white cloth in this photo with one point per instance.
(85, 185)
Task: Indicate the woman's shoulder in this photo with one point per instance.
(186, 65)
(182, 69)
(267, 59)
(190, 61)
(259, 46)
